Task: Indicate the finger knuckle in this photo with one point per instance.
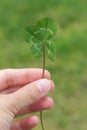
(30, 95)
(13, 108)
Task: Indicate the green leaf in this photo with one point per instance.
(36, 50)
(31, 37)
(51, 50)
(46, 28)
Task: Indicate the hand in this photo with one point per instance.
(23, 91)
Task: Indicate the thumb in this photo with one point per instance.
(31, 93)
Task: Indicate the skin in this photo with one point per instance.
(22, 91)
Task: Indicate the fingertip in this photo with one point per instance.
(33, 121)
(47, 103)
(44, 85)
(52, 85)
(47, 74)
(51, 102)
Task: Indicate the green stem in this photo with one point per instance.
(43, 72)
(41, 119)
(43, 47)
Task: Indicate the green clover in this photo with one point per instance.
(40, 36)
(42, 33)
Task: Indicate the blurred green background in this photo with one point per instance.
(69, 71)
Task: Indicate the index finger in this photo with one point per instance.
(20, 77)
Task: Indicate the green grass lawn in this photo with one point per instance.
(69, 71)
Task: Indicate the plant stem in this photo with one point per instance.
(43, 71)
(41, 119)
(43, 50)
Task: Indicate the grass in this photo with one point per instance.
(69, 71)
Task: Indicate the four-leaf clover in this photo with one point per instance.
(40, 36)
(41, 33)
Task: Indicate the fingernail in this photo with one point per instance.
(44, 85)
